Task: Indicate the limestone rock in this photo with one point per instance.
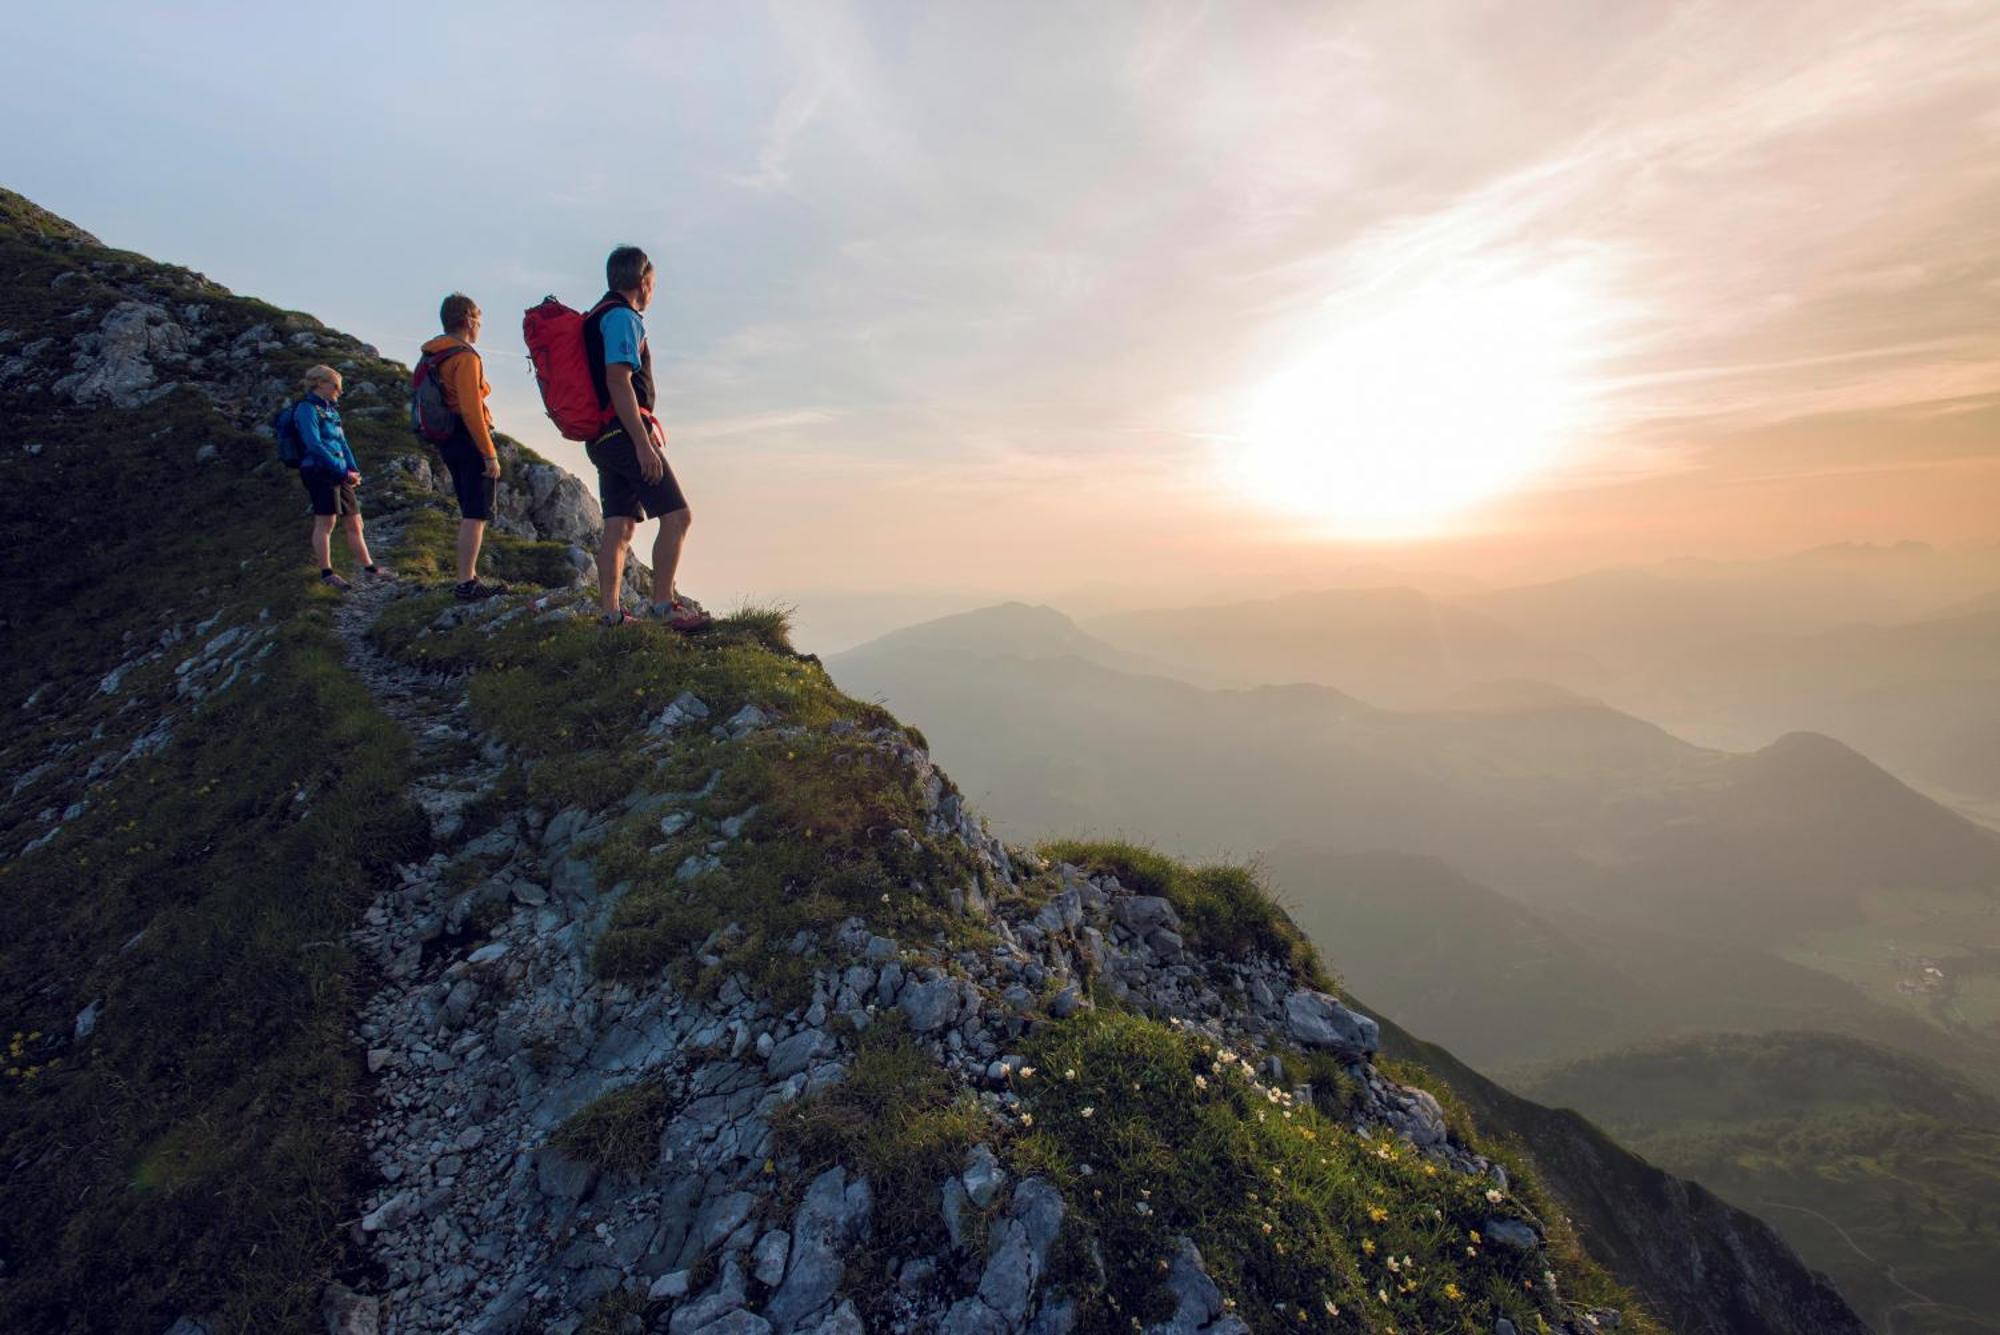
(833, 1216)
(930, 1006)
(1317, 1020)
(562, 1177)
(983, 1176)
(349, 1313)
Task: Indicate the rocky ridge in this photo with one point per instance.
(482, 1052)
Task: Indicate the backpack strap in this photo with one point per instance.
(434, 360)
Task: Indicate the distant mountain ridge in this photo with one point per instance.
(1390, 645)
(1014, 629)
(1562, 802)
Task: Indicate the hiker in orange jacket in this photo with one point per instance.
(469, 454)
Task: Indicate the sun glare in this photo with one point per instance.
(1419, 403)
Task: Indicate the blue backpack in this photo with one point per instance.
(285, 426)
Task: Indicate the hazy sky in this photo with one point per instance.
(1028, 298)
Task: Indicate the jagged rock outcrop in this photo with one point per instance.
(483, 1224)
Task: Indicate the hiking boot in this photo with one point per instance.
(334, 581)
(681, 615)
(471, 591)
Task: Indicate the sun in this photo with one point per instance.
(1418, 402)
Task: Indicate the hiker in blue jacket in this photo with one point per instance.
(330, 473)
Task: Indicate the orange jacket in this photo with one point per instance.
(464, 381)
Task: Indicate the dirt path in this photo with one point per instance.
(408, 934)
(430, 707)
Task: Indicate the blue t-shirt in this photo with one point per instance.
(623, 333)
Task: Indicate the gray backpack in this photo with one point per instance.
(430, 416)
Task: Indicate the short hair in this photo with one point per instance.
(321, 375)
(456, 311)
(626, 269)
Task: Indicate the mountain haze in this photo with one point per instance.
(1563, 804)
(1395, 646)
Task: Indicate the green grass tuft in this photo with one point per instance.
(1154, 1135)
(1225, 910)
(832, 838)
(615, 1313)
(618, 1131)
(769, 624)
(900, 1121)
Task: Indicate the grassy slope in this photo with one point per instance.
(1852, 1151)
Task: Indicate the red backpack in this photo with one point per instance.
(554, 334)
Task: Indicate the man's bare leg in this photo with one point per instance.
(667, 553)
(470, 533)
(355, 542)
(322, 541)
(611, 561)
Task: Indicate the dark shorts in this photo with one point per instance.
(475, 490)
(332, 493)
(623, 489)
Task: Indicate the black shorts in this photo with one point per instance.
(475, 490)
(623, 489)
(332, 493)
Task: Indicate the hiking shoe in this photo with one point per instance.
(680, 615)
(334, 581)
(619, 618)
(381, 574)
(471, 591)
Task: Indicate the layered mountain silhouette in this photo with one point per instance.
(1392, 645)
(1563, 804)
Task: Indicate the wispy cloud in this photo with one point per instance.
(774, 158)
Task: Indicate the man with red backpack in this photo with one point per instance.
(633, 479)
(448, 408)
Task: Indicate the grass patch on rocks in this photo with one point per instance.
(897, 1119)
(1154, 1134)
(825, 828)
(618, 1131)
(813, 813)
(1225, 910)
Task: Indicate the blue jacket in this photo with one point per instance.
(326, 449)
